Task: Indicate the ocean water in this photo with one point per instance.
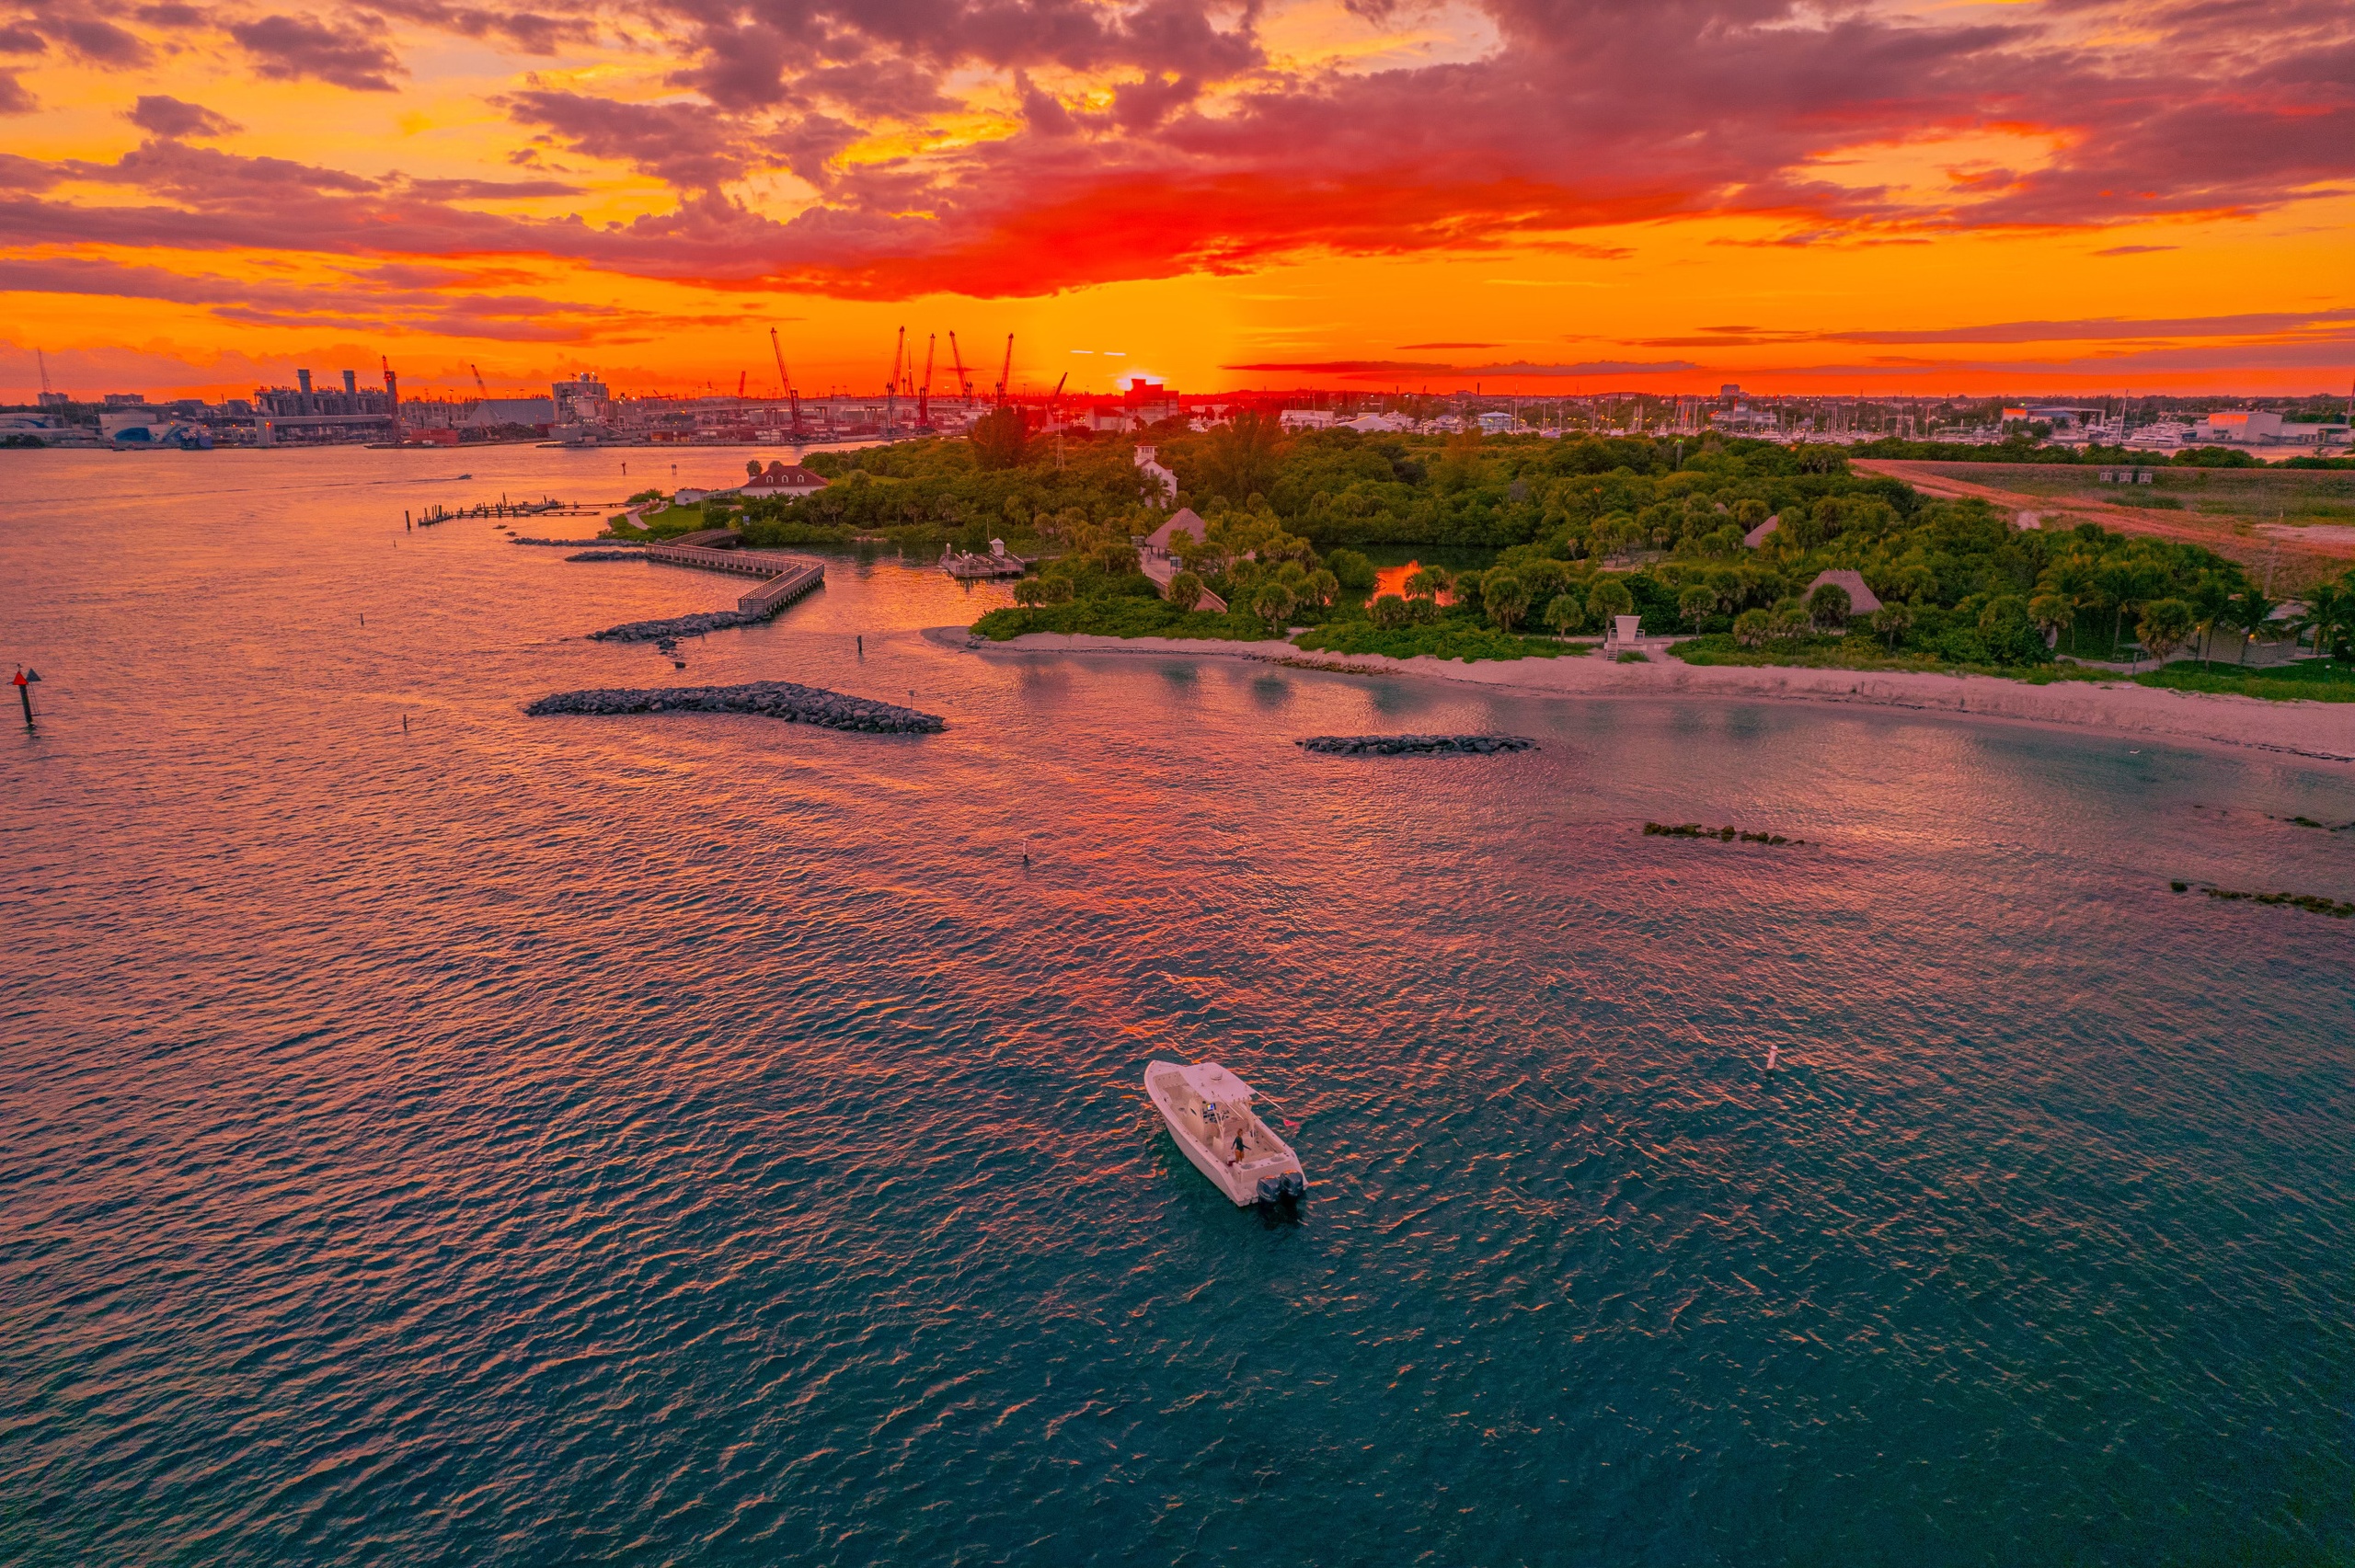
(697, 1139)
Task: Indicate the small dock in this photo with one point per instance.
(545, 507)
(998, 563)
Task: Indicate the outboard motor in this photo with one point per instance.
(1289, 1187)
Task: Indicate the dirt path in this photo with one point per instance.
(2310, 554)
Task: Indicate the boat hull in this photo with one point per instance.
(1240, 1183)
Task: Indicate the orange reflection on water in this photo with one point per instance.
(1392, 579)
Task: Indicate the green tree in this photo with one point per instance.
(1186, 591)
(2211, 606)
(1893, 621)
(1696, 604)
(751, 468)
(1505, 597)
(1389, 612)
(1323, 587)
(1355, 572)
(1000, 438)
(1272, 602)
(1241, 459)
(2252, 611)
(1565, 614)
(2327, 608)
(2051, 613)
(1430, 582)
(1752, 628)
(1828, 607)
(1029, 593)
(1060, 591)
(2164, 625)
(1609, 597)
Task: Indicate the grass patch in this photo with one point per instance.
(1632, 657)
(1814, 653)
(2311, 680)
(2147, 502)
(1121, 617)
(1449, 639)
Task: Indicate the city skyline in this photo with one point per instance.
(1537, 199)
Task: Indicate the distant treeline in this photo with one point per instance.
(2025, 450)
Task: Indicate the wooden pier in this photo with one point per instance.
(789, 576)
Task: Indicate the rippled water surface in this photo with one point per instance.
(700, 1140)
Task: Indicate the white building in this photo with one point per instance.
(1158, 476)
(2244, 427)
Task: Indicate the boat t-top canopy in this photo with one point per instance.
(1211, 1082)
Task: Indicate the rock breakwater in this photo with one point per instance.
(608, 555)
(770, 699)
(576, 543)
(682, 625)
(1414, 745)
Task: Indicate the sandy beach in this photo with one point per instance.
(2324, 732)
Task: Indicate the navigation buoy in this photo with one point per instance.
(1772, 1050)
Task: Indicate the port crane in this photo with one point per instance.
(48, 391)
(891, 387)
(784, 383)
(1005, 371)
(478, 383)
(923, 396)
(964, 381)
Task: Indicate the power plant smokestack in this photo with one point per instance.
(350, 382)
(303, 378)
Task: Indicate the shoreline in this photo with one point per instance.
(2318, 731)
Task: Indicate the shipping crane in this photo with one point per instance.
(47, 391)
(1005, 371)
(891, 387)
(479, 384)
(923, 396)
(964, 381)
(786, 382)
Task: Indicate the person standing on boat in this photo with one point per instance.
(1236, 1158)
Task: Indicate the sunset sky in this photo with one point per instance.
(1537, 195)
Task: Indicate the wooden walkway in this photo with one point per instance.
(789, 576)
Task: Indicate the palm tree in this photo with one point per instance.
(2250, 612)
(2212, 602)
(1507, 598)
(2164, 626)
(2053, 613)
(2327, 605)
(1695, 605)
(1274, 604)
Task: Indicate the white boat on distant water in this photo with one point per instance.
(1208, 1112)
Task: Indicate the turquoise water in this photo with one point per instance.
(702, 1140)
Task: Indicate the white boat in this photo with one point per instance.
(1209, 1110)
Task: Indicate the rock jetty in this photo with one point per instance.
(770, 699)
(577, 544)
(608, 555)
(1414, 745)
(681, 627)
